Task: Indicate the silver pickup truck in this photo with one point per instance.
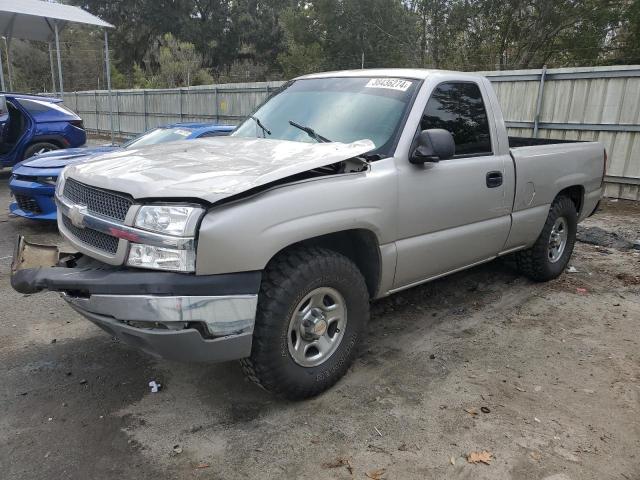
(267, 246)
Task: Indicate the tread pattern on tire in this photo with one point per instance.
(531, 262)
(279, 276)
(31, 149)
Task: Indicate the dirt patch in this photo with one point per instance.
(629, 279)
(603, 238)
(542, 377)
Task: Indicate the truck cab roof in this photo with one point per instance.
(415, 73)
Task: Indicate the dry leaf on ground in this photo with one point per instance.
(337, 463)
(202, 465)
(480, 457)
(376, 474)
(471, 411)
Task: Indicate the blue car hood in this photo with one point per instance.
(62, 158)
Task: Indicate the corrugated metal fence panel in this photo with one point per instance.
(517, 98)
(135, 111)
(602, 102)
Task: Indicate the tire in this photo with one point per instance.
(39, 147)
(288, 280)
(539, 262)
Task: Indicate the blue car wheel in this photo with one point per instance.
(39, 147)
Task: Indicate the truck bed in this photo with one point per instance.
(515, 142)
(544, 169)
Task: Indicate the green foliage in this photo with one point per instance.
(178, 63)
(302, 59)
(31, 71)
(626, 45)
(166, 43)
(139, 78)
(118, 80)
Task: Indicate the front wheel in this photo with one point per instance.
(313, 309)
(551, 253)
(38, 148)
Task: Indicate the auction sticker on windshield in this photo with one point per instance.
(182, 132)
(390, 83)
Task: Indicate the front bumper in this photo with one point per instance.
(206, 318)
(40, 196)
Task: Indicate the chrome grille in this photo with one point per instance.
(98, 201)
(28, 204)
(93, 238)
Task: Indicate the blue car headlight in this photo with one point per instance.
(60, 184)
(47, 180)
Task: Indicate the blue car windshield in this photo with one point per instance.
(158, 135)
(340, 109)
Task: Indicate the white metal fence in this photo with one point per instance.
(598, 103)
(136, 111)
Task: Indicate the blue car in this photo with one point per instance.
(30, 124)
(33, 181)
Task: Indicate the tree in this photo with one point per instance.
(340, 34)
(30, 64)
(178, 63)
(249, 40)
(138, 21)
(625, 46)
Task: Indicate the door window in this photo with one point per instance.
(458, 107)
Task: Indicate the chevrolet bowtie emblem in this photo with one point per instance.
(76, 215)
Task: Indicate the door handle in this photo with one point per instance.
(494, 179)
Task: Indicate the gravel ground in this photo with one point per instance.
(544, 377)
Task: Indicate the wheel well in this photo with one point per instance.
(53, 141)
(576, 194)
(359, 245)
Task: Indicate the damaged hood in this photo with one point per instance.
(62, 158)
(210, 169)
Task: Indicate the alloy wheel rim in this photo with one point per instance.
(558, 239)
(317, 327)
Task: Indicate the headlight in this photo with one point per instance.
(160, 258)
(178, 220)
(60, 184)
(47, 180)
(170, 220)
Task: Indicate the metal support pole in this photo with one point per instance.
(53, 75)
(55, 29)
(536, 120)
(118, 112)
(4, 89)
(7, 44)
(217, 106)
(108, 66)
(189, 110)
(95, 101)
(180, 100)
(144, 99)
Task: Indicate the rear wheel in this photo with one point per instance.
(552, 251)
(39, 147)
(313, 310)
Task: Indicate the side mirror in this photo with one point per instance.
(433, 145)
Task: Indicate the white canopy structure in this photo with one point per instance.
(43, 21)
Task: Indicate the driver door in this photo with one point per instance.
(4, 117)
(453, 213)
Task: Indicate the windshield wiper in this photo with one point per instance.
(262, 127)
(311, 132)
